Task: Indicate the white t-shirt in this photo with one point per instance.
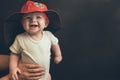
(33, 51)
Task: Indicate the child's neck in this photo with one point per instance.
(37, 36)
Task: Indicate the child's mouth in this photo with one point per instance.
(33, 25)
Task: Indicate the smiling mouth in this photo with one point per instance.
(33, 25)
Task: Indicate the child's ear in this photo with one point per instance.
(46, 24)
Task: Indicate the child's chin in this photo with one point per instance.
(32, 32)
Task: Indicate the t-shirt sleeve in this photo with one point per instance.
(15, 47)
(54, 39)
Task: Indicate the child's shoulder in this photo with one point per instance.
(47, 32)
(21, 35)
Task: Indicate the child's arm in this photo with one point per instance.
(14, 58)
(57, 52)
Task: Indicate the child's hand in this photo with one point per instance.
(14, 74)
(57, 59)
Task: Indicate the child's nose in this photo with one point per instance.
(34, 19)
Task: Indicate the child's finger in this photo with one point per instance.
(13, 77)
(56, 61)
(19, 71)
(16, 77)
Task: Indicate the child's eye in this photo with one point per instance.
(38, 17)
(28, 17)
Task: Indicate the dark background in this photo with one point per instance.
(89, 38)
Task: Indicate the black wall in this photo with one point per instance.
(89, 38)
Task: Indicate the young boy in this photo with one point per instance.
(34, 45)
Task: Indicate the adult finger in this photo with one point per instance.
(36, 74)
(32, 66)
(36, 70)
(28, 76)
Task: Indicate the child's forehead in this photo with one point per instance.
(34, 13)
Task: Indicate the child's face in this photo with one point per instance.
(34, 22)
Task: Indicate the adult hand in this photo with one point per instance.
(4, 62)
(31, 71)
